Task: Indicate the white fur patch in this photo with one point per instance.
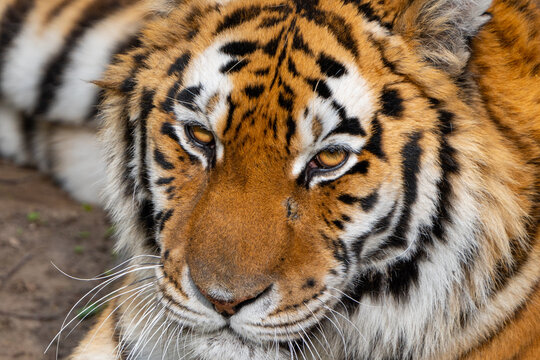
(11, 136)
(78, 162)
(204, 71)
(351, 92)
(26, 60)
(88, 60)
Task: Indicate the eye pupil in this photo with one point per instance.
(331, 158)
(200, 135)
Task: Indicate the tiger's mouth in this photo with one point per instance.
(261, 322)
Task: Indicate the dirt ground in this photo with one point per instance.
(40, 224)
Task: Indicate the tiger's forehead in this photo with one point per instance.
(279, 77)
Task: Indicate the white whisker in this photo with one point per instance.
(108, 317)
(350, 298)
(346, 319)
(95, 289)
(98, 304)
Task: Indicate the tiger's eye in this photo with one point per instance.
(331, 158)
(201, 135)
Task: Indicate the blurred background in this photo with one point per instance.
(40, 225)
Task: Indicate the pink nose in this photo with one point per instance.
(229, 308)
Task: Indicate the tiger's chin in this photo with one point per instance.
(226, 339)
(228, 345)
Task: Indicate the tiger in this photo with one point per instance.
(294, 179)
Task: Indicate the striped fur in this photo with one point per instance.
(50, 51)
(421, 244)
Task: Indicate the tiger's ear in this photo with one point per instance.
(441, 29)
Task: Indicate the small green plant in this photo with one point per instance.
(83, 234)
(33, 216)
(87, 207)
(78, 249)
(88, 311)
(111, 230)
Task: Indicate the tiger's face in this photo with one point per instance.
(284, 150)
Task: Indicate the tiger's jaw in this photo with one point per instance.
(165, 325)
(263, 321)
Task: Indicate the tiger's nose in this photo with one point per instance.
(228, 308)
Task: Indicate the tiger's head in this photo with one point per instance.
(306, 171)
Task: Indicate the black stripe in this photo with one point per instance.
(28, 129)
(243, 15)
(10, 26)
(299, 43)
(330, 67)
(270, 48)
(374, 144)
(169, 130)
(147, 104)
(367, 203)
(384, 223)
(233, 66)
(370, 282)
(147, 223)
(340, 253)
(238, 17)
(56, 10)
(166, 217)
(319, 86)
(291, 129)
(178, 67)
(239, 48)
(365, 9)
(449, 166)
(404, 274)
(57, 65)
(283, 52)
(411, 154)
(161, 160)
(164, 181)
(262, 72)
(167, 104)
(272, 21)
(187, 96)
(349, 125)
(254, 91)
(292, 67)
(128, 85)
(128, 158)
(392, 103)
(348, 199)
(361, 167)
(232, 107)
(336, 25)
(248, 114)
(285, 102)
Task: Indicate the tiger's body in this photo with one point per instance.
(328, 179)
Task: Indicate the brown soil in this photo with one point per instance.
(40, 224)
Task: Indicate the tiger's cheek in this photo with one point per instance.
(176, 180)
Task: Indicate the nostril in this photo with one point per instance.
(229, 308)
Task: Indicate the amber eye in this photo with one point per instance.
(200, 135)
(331, 158)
